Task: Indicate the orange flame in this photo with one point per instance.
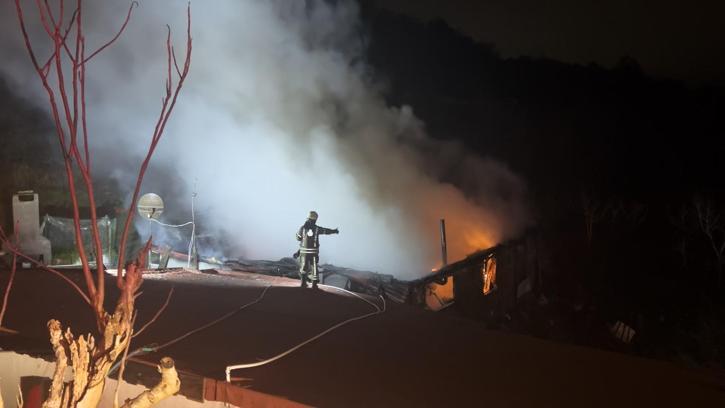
(463, 240)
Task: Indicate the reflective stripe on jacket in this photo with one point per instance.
(309, 237)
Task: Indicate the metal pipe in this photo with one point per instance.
(444, 246)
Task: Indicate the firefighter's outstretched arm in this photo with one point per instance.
(299, 234)
(327, 231)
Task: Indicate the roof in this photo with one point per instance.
(371, 283)
(439, 275)
(403, 357)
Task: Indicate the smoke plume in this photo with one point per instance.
(280, 115)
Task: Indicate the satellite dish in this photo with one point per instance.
(150, 205)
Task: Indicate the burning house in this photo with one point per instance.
(485, 284)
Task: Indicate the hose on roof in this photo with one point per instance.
(378, 310)
(155, 347)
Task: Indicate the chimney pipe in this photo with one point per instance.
(444, 248)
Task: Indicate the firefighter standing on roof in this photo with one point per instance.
(309, 237)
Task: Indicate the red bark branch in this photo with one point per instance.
(69, 104)
(66, 91)
(28, 45)
(164, 115)
(43, 18)
(46, 66)
(9, 286)
(67, 151)
(83, 104)
(118, 34)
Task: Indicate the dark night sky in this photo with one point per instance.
(674, 39)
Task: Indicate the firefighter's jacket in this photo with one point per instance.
(309, 237)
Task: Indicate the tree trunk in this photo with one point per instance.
(92, 398)
(89, 361)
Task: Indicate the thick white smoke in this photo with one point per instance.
(279, 117)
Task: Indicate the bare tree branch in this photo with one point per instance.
(66, 94)
(9, 286)
(118, 34)
(156, 316)
(164, 116)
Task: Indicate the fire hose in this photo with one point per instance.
(377, 311)
(155, 348)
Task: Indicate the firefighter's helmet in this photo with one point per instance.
(312, 216)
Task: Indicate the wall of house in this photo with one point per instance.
(517, 276)
(14, 366)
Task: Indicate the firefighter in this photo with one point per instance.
(309, 252)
